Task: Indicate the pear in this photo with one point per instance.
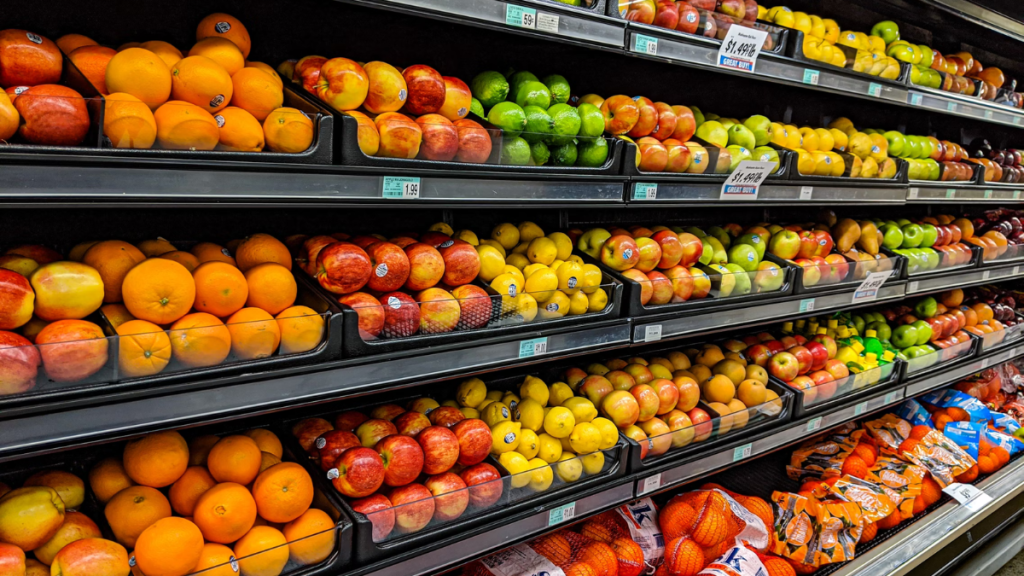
(846, 233)
(869, 239)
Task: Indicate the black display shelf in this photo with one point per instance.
(962, 278)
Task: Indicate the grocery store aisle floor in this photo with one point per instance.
(1014, 567)
(1002, 556)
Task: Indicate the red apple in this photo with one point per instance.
(349, 420)
(450, 496)
(784, 366)
(808, 244)
(17, 300)
(390, 266)
(19, 363)
(682, 283)
(440, 138)
(403, 459)
(401, 315)
(620, 253)
(774, 346)
(379, 512)
(621, 114)
(821, 377)
(411, 423)
(825, 243)
(686, 124)
(648, 119)
(461, 262)
(662, 289)
(789, 342)
(308, 430)
(343, 268)
(475, 306)
(819, 354)
(12, 559)
(474, 441)
(653, 155)
(641, 11)
(803, 356)
(636, 434)
(457, 98)
(759, 354)
(646, 288)
(692, 249)
(595, 388)
(440, 449)
(357, 472)
(671, 248)
(620, 380)
(689, 18)
(400, 136)
(28, 59)
(331, 444)
(666, 124)
(837, 369)
(805, 384)
(426, 90)
(650, 254)
(666, 15)
(51, 114)
(307, 72)
(702, 424)
(679, 156)
(439, 311)
(668, 395)
(648, 400)
(414, 507)
(364, 241)
(426, 266)
(342, 84)
(446, 416)
(371, 431)
(689, 392)
(485, 484)
(371, 313)
(828, 342)
(474, 142)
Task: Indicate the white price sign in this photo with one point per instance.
(740, 48)
(868, 289)
(968, 496)
(744, 183)
(652, 333)
(649, 484)
(806, 192)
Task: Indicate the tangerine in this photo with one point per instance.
(677, 519)
(107, 478)
(185, 492)
(202, 81)
(220, 25)
(210, 252)
(271, 287)
(869, 532)
(225, 512)
(169, 547)
(262, 552)
(629, 555)
(855, 466)
(144, 349)
(134, 509)
(158, 290)
(580, 569)
(157, 459)
(199, 448)
(288, 130)
(778, 567)
(257, 92)
(181, 125)
(239, 130)
(142, 74)
(266, 440)
(260, 248)
(235, 458)
(200, 340)
(215, 560)
(684, 557)
(186, 259)
(554, 547)
(311, 537)
(165, 50)
(302, 329)
(221, 288)
(600, 557)
(710, 528)
(222, 52)
(283, 492)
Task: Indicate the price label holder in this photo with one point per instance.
(520, 17)
(811, 76)
(806, 192)
(868, 289)
(875, 89)
(1016, 120)
(562, 514)
(988, 114)
(951, 106)
(645, 44)
(807, 304)
(985, 274)
(401, 187)
(652, 333)
(534, 347)
(744, 183)
(814, 424)
(968, 496)
(645, 191)
(741, 47)
(742, 452)
(912, 193)
(860, 408)
(1016, 194)
(916, 99)
(950, 193)
(912, 287)
(988, 194)
(891, 397)
(649, 484)
(1016, 270)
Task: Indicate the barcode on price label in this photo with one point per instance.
(649, 484)
(520, 16)
(912, 287)
(915, 99)
(814, 424)
(806, 192)
(860, 408)
(986, 274)
(1016, 120)
(875, 89)
(1016, 270)
(988, 194)
(652, 333)
(811, 76)
(644, 191)
(988, 114)
(807, 305)
(951, 106)
(645, 44)
(1016, 194)
(740, 48)
(891, 397)
(562, 514)
(950, 193)
(401, 187)
(741, 452)
(534, 347)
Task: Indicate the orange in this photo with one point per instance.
(283, 492)
(260, 248)
(268, 69)
(777, 566)
(1001, 455)
(170, 547)
(78, 250)
(302, 329)
(710, 529)
(215, 560)
(984, 311)
(201, 81)
(869, 533)
(266, 440)
(9, 117)
(140, 73)
(210, 252)
(310, 537)
(225, 512)
(239, 130)
(144, 348)
(155, 247)
(254, 334)
(676, 519)
(257, 92)
(267, 460)
(199, 448)
(630, 556)
(579, 569)
(288, 130)
(107, 478)
(128, 45)
(221, 289)
(92, 62)
(165, 50)
(221, 51)
(157, 459)
(891, 521)
(683, 557)
(200, 339)
(271, 287)
(220, 25)
(554, 547)
(761, 509)
(988, 464)
(262, 552)
(185, 492)
(113, 259)
(184, 126)
(68, 43)
(134, 509)
(600, 557)
(128, 121)
(970, 475)
(234, 459)
(158, 290)
(186, 259)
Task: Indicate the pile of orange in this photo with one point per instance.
(210, 98)
(602, 547)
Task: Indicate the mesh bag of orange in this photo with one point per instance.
(889, 432)
(900, 480)
(823, 458)
(940, 456)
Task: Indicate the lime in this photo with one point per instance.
(564, 154)
(490, 88)
(533, 94)
(540, 153)
(516, 81)
(567, 124)
(698, 116)
(509, 117)
(591, 120)
(538, 124)
(592, 152)
(477, 108)
(515, 151)
(559, 88)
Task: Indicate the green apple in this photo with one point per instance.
(928, 235)
(927, 55)
(912, 235)
(915, 169)
(725, 280)
(767, 154)
(934, 171)
(696, 231)
(719, 255)
(714, 133)
(902, 221)
(738, 154)
(926, 308)
(745, 256)
(887, 30)
(755, 241)
(924, 331)
(904, 336)
(931, 258)
(741, 278)
(698, 116)
(707, 254)
(896, 143)
(740, 135)
(761, 127)
(892, 236)
(721, 234)
(882, 330)
(769, 277)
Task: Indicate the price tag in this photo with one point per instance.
(988, 194)
(912, 193)
(891, 397)
(649, 484)
(643, 191)
(988, 114)
(814, 424)
(860, 408)
(875, 89)
(1016, 194)
(811, 76)
(562, 514)
(806, 192)
(534, 347)
(740, 48)
(1016, 270)
(741, 452)
(951, 106)
(520, 16)
(547, 23)
(915, 99)
(652, 333)
(645, 44)
(1016, 120)
(968, 496)
(986, 274)
(407, 187)
(868, 289)
(744, 183)
(807, 304)
(950, 193)
(912, 287)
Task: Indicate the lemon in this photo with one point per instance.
(578, 304)
(505, 437)
(451, 403)
(533, 269)
(542, 475)
(583, 410)
(554, 265)
(597, 301)
(563, 244)
(525, 307)
(511, 400)
(805, 162)
(609, 433)
(566, 446)
(518, 466)
(577, 259)
(516, 272)
(533, 387)
(528, 231)
(556, 306)
(542, 285)
(593, 463)
(492, 262)
(559, 422)
(422, 405)
(528, 444)
(506, 234)
(492, 395)
(471, 392)
(591, 280)
(569, 468)
(542, 250)
(517, 260)
(558, 393)
(496, 245)
(521, 248)
(484, 405)
(469, 412)
(585, 438)
(570, 278)
(548, 449)
(509, 287)
(495, 413)
(467, 236)
(531, 414)
(441, 227)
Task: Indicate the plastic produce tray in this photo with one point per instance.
(850, 281)
(629, 168)
(976, 253)
(795, 50)
(849, 389)
(943, 358)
